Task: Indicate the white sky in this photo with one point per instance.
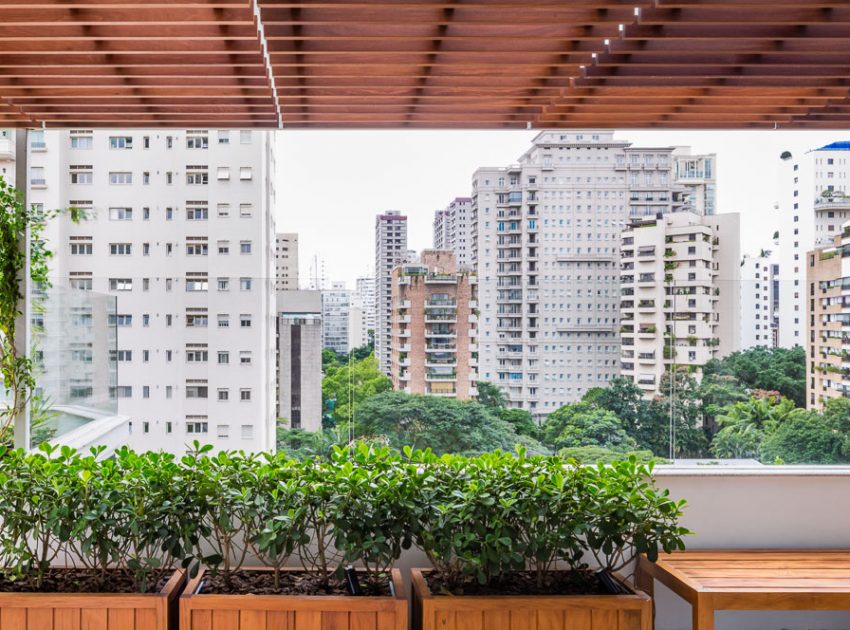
(331, 184)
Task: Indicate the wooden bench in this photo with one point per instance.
(751, 580)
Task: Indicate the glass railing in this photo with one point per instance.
(74, 350)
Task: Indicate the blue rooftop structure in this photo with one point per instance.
(841, 145)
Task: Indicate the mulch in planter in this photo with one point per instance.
(79, 581)
(525, 583)
(291, 583)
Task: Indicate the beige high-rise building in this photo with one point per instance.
(434, 327)
(680, 298)
(286, 261)
(390, 250)
(828, 347)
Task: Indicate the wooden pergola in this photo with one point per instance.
(425, 63)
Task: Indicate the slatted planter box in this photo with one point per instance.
(535, 612)
(92, 611)
(292, 612)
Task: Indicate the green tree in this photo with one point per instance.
(444, 425)
(361, 352)
(344, 386)
(521, 420)
(329, 359)
(803, 439)
(582, 424)
(745, 425)
(775, 369)
(625, 400)
(490, 395)
(601, 455)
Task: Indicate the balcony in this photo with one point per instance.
(7, 148)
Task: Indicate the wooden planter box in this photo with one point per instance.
(93, 611)
(292, 612)
(533, 612)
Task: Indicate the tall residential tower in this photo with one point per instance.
(390, 250)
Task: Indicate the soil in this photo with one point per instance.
(79, 581)
(524, 583)
(291, 583)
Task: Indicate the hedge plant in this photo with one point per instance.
(476, 518)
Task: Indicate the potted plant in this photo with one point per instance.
(90, 542)
(326, 514)
(508, 537)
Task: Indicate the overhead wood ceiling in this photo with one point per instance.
(425, 63)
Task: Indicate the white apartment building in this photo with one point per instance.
(335, 304)
(286, 261)
(390, 250)
(680, 294)
(547, 236)
(758, 319)
(361, 319)
(813, 204)
(698, 173)
(7, 155)
(453, 230)
(181, 232)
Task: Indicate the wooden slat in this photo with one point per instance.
(225, 619)
(13, 618)
(121, 619)
(39, 618)
(69, 619)
(93, 619)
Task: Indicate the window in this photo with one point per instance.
(197, 140)
(146, 393)
(37, 139)
(224, 172)
(146, 177)
(224, 284)
(146, 249)
(169, 214)
(120, 142)
(224, 395)
(122, 391)
(247, 431)
(245, 357)
(146, 319)
(122, 321)
(80, 284)
(244, 321)
(224, 136)
(146, 426)
(146, 214)
(245, 284)
(196, 391)
(120, 214)
(246, 173)
(224, 247)
(81, 249)
(196, 427)
(223, 320)
(196, 249)
(146, 144)
(196, 355)
(168, 283)
(196, 321)
(169, 392)
(245, 247)
(168, 319)
(223, 358)
(223, 430)
(168, 427)
(169, 248)
(223, 210)
(196, 284)
(120, 249)
(169, 142)
(81, 174)
(197, 175)
(245, 395)
(246, 210)
(37, 176)
(169, 177)
(120, 284)
(120, 177)
(146, 356)
(81, 141)
(196, 212)
(245, 136)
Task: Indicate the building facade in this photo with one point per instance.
(453, 230)
(813, 205)
(286, 261)
(390, 250)
(180, 231)
(698, 174)
(758, 318)
(299, 363)
(361, 320)
(547, 239)
(434, 327)
(828, 339)
(336, 302)
(8, 151)
(680, 296)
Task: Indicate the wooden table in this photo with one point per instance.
(751, 580)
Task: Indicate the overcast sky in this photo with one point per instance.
(330, 184)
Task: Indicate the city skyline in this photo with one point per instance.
(419, 172)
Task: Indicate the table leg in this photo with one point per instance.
(703, 613)
(645, 582)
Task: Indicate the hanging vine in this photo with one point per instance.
(16, 366)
